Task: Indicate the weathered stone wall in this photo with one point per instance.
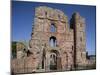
(23, 65)
(78, 23)
(44, 17)
(20, 47)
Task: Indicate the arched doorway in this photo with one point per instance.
(54, 60)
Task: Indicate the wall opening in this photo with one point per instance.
(53, 60)
(53, 41)
(43, 59)
(52, 28)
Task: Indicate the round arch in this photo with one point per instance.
(53, 41)
(55, 60)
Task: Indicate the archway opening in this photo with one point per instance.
(53, 60)
(52, 27)
(53, 41)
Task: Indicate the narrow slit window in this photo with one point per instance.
(81, 39)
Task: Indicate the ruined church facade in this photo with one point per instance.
(55, 45)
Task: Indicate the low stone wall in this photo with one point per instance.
(24, 65)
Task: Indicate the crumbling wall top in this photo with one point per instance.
(50, 13)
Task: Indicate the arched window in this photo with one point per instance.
(53, 41)
(52, 28)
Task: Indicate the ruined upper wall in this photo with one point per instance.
(76, 20)
(50, 13)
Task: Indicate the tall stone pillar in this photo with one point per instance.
(78, 24)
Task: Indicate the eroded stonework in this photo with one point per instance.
(60, 49)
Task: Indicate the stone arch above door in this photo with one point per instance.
(55, 60)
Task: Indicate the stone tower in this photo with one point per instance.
(78, 24)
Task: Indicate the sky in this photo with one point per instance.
(23, 15)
